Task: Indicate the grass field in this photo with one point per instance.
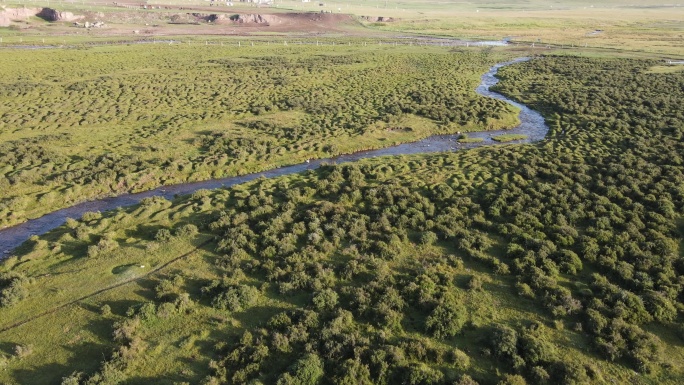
(509, 137)
(621, 26)
(464, 138)
(649, 26)
(77, 124)
(558, 262)
(491, 264)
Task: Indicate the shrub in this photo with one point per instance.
(474, 283)
(660, 307)
(13, 288)
(446, 320)
(353, 372)
(428, 238)
(163, 235)
(536, 351)
(91, 216)
(504, 341)
(466, 380)
(421, 374)
(71, 223)
(187, 231)
(459, 359)
(104, 245)
(306, 371)
(106, 310)
(236, 298)
(21, 351)
(73, 379)
(513, 379)
(539, 375)
(325, 299)
(524, 290)
(569, 373)
(82, 232)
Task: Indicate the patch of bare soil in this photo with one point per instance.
(9, 15)
(152, 20)
(247, 23)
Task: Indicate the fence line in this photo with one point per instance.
(230, 41)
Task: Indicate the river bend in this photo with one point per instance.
(531, 124)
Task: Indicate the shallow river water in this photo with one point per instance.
(531, 124)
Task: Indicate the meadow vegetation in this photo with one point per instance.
(618, 25)
(465, 138)
(559, 262)
(78, 124)
(508, 137)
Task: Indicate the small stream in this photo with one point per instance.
(532, 124)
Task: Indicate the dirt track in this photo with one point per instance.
(122, 283)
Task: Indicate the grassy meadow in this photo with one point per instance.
(78, 124)
(509, 137)
(632, 26)
(557, 262)
(618, 26)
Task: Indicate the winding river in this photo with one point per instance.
(531, 124)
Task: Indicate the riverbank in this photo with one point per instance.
(141, 117)
(531, 124)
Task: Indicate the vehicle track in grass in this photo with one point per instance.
(108, 288)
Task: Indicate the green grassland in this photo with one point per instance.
(551, 263)
(81, 123)
(509, 137)
(658, 69)
(631, 26)
(622, 26)
(464, 138)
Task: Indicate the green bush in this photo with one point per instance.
(306, 371)
(13, 288)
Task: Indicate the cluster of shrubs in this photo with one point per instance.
(13, 288)
(373, 253)
(150, 110)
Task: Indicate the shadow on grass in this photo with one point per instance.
(101, 327)
(192, 368)
(146, 232)
(84, 358)
(298, 298)
(75, 248)
(45, 374)
(414, 321)
(146, 289)
(7, 348)
(256, 316)
(120, 307)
